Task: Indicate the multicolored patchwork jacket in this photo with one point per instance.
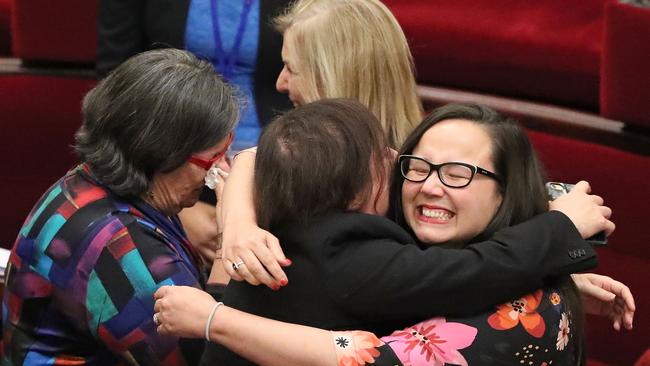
(81, 277)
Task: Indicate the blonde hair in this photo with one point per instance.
(355, 49)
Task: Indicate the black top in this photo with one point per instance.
(356, 271)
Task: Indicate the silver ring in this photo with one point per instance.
(156, 321)
(236, 266)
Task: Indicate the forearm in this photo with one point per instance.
(437, 281)
(185, 311)
(269, 342)
(238, 192)
(200, 224)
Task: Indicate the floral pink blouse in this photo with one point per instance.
(532, 330)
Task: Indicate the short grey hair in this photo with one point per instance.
(150, 115)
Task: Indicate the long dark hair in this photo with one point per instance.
(521, 186)
(314, 160)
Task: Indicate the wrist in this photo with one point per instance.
(208, 322)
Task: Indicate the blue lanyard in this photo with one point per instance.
(226, 61)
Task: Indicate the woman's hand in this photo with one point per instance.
(259, 250)
(182, 311)
(256, 252)
(604, 296)
(201, 227)
(217, 273)
(585, 210)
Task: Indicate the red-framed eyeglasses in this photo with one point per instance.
(207, 164)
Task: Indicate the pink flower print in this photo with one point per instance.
(563, 333)
(432, 342)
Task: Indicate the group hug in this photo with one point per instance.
(359, 230)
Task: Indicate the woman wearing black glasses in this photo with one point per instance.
(354, 270)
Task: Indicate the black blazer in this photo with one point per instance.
(127, 27)
(357, 271)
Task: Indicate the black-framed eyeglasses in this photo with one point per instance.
(451, 174)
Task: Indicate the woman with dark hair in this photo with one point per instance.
(486, 178)
(299, 174)
(237, 36)
(104, 237)
(353, 270)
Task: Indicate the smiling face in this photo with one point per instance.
(438, 214)
(289, 81)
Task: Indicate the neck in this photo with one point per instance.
(161, 201)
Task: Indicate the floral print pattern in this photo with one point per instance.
(488, 338)
(355, 348)
(554, 298)
(563, 333)
(522, 310)
(433, 342)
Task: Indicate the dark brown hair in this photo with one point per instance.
(515, 162)
(521, 186)
(316, 160)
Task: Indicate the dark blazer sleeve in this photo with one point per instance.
(120, 32)
(128, 27)
(268, 100)
(381, 278)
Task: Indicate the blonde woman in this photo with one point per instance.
(331, 49)
(350, 49)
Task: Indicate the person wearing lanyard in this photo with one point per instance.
(236, 36)
(230, 42)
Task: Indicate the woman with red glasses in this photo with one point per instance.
(85, 265)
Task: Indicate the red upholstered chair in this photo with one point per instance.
(622, 179)
(54, 31)
(626, 65)
(40, 100)
(542, 50)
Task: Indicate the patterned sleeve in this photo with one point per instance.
(357, 348)
(120, 287)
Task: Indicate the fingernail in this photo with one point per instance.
(275, 287)
(288, 261)
(283, 282)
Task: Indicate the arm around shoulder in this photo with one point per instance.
(393, 280)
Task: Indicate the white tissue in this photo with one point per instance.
(212, 178)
